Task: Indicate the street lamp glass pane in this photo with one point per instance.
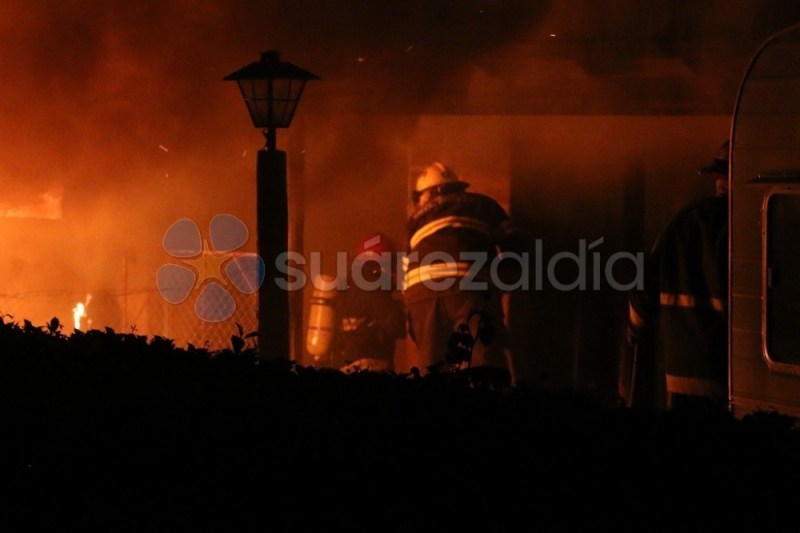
(254, 89)
(285, 96)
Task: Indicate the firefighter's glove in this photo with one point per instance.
(459, 346)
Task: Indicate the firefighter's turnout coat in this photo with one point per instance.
(684, 294)
(450, 234)
(450, 272)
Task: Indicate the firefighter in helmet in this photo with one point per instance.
(454, 304)
(682, 308)
(365, 319)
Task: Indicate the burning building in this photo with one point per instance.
(587, 120)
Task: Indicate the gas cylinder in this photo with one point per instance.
(322, 318)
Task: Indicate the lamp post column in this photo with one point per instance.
(271, 89)
(272, 215)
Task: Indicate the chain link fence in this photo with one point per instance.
(143, 312)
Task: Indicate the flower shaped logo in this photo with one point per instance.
(210, 268)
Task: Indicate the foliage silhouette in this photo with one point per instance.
(121, 432)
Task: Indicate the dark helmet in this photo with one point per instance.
(374, 254)
(720, 163)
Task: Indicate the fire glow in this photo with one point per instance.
(79, 312)
(46, 206)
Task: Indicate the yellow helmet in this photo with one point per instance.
(436, 175)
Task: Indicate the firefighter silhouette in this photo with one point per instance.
(357, 327)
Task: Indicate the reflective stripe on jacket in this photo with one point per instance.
(685, 293)
(447, 237)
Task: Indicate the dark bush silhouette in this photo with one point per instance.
(119, 432)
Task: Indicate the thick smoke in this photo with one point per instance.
(120, 109)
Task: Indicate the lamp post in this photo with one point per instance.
(271, 89)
